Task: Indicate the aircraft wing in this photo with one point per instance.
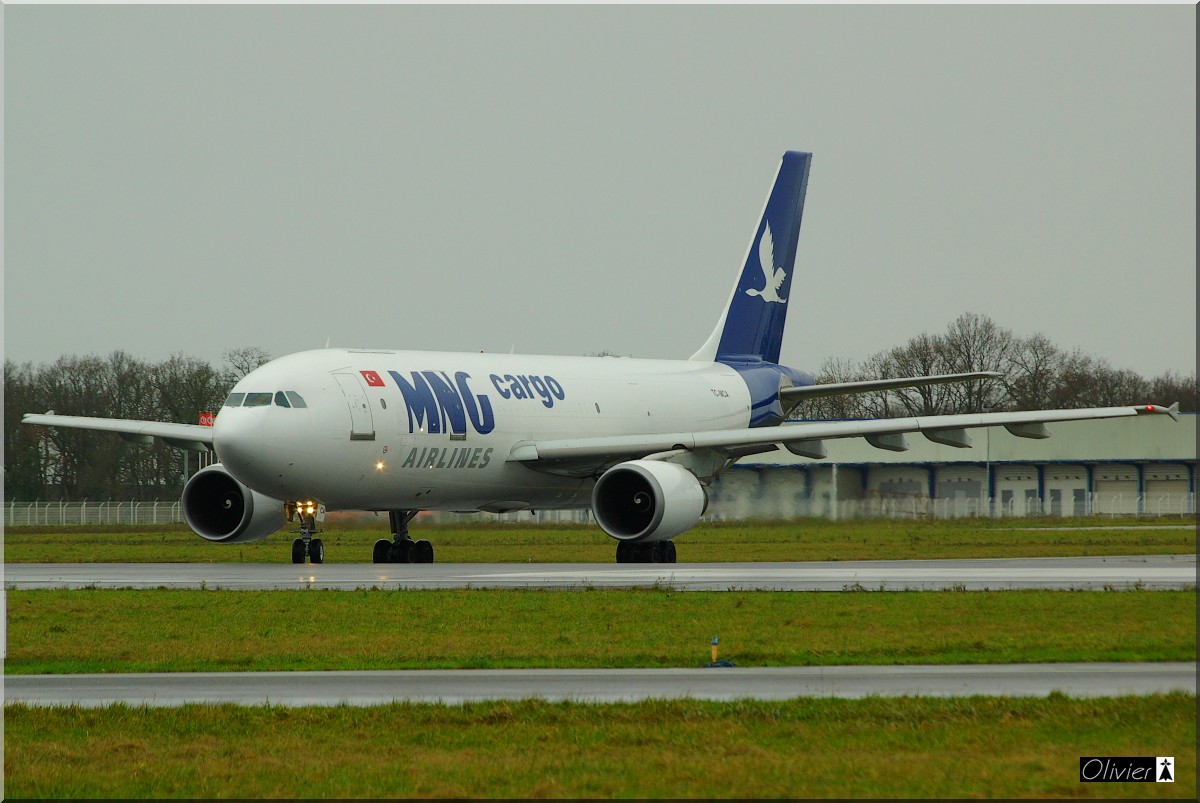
(799, 394)
(192, 437)
(805, 438)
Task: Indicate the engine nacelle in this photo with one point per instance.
(219, 508)
(647, 500)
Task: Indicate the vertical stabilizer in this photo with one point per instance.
(751, 325)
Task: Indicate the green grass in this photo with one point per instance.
(970, 747)
(489, 542)
(974, 747)
(169, 630)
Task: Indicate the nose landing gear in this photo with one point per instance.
(306, 546)
(402, 549)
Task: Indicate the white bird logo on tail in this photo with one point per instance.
(773, 277)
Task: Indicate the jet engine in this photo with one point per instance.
(219, 508)
(647, 500)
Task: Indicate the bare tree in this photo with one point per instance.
(77, 464)
(24, 459)
(1172, 387)
(922, 355)
(186, 387)
(78, 460)
(1032, 377)
(831, 407)
(975, 342)
(241, 361)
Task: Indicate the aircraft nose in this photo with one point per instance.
(238, 438)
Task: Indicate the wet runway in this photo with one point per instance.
(1086, 573)
(599, 685)
(615, 685)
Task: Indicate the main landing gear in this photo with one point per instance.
(652, 552)
(402, 549)
(306, 545)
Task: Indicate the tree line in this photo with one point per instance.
(49, 463)
(72, 465)
(1037, 375)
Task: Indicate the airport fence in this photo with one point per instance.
(106, 512)
(1098, 505)
(740, 507)
(17, 513)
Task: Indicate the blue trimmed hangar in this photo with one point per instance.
(1122, 467)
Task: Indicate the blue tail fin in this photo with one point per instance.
(751, 327)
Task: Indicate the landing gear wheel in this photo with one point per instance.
(422, 552)
(668, 552)
(626, 552)
(402, 548)
(306, 547)
(654, 552)
(400, 551)
(380, 555)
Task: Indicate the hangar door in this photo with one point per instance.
(1116, 490)
(1167, 490)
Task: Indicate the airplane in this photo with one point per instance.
(637, 441)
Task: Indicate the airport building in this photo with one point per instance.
(1125, 466)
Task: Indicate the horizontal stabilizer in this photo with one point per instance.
(797, 394)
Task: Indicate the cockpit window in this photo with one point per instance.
(258, 399)
(282, 398)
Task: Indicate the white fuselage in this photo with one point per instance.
(433, 430)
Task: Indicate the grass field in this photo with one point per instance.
(169, 630)
(908, 747)
(489, 542)
(976, 747)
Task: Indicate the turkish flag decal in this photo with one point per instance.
(373, 378)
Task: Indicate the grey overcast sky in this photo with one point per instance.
(568, 180)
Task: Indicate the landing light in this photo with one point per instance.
(379, 466)
(305, 507)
